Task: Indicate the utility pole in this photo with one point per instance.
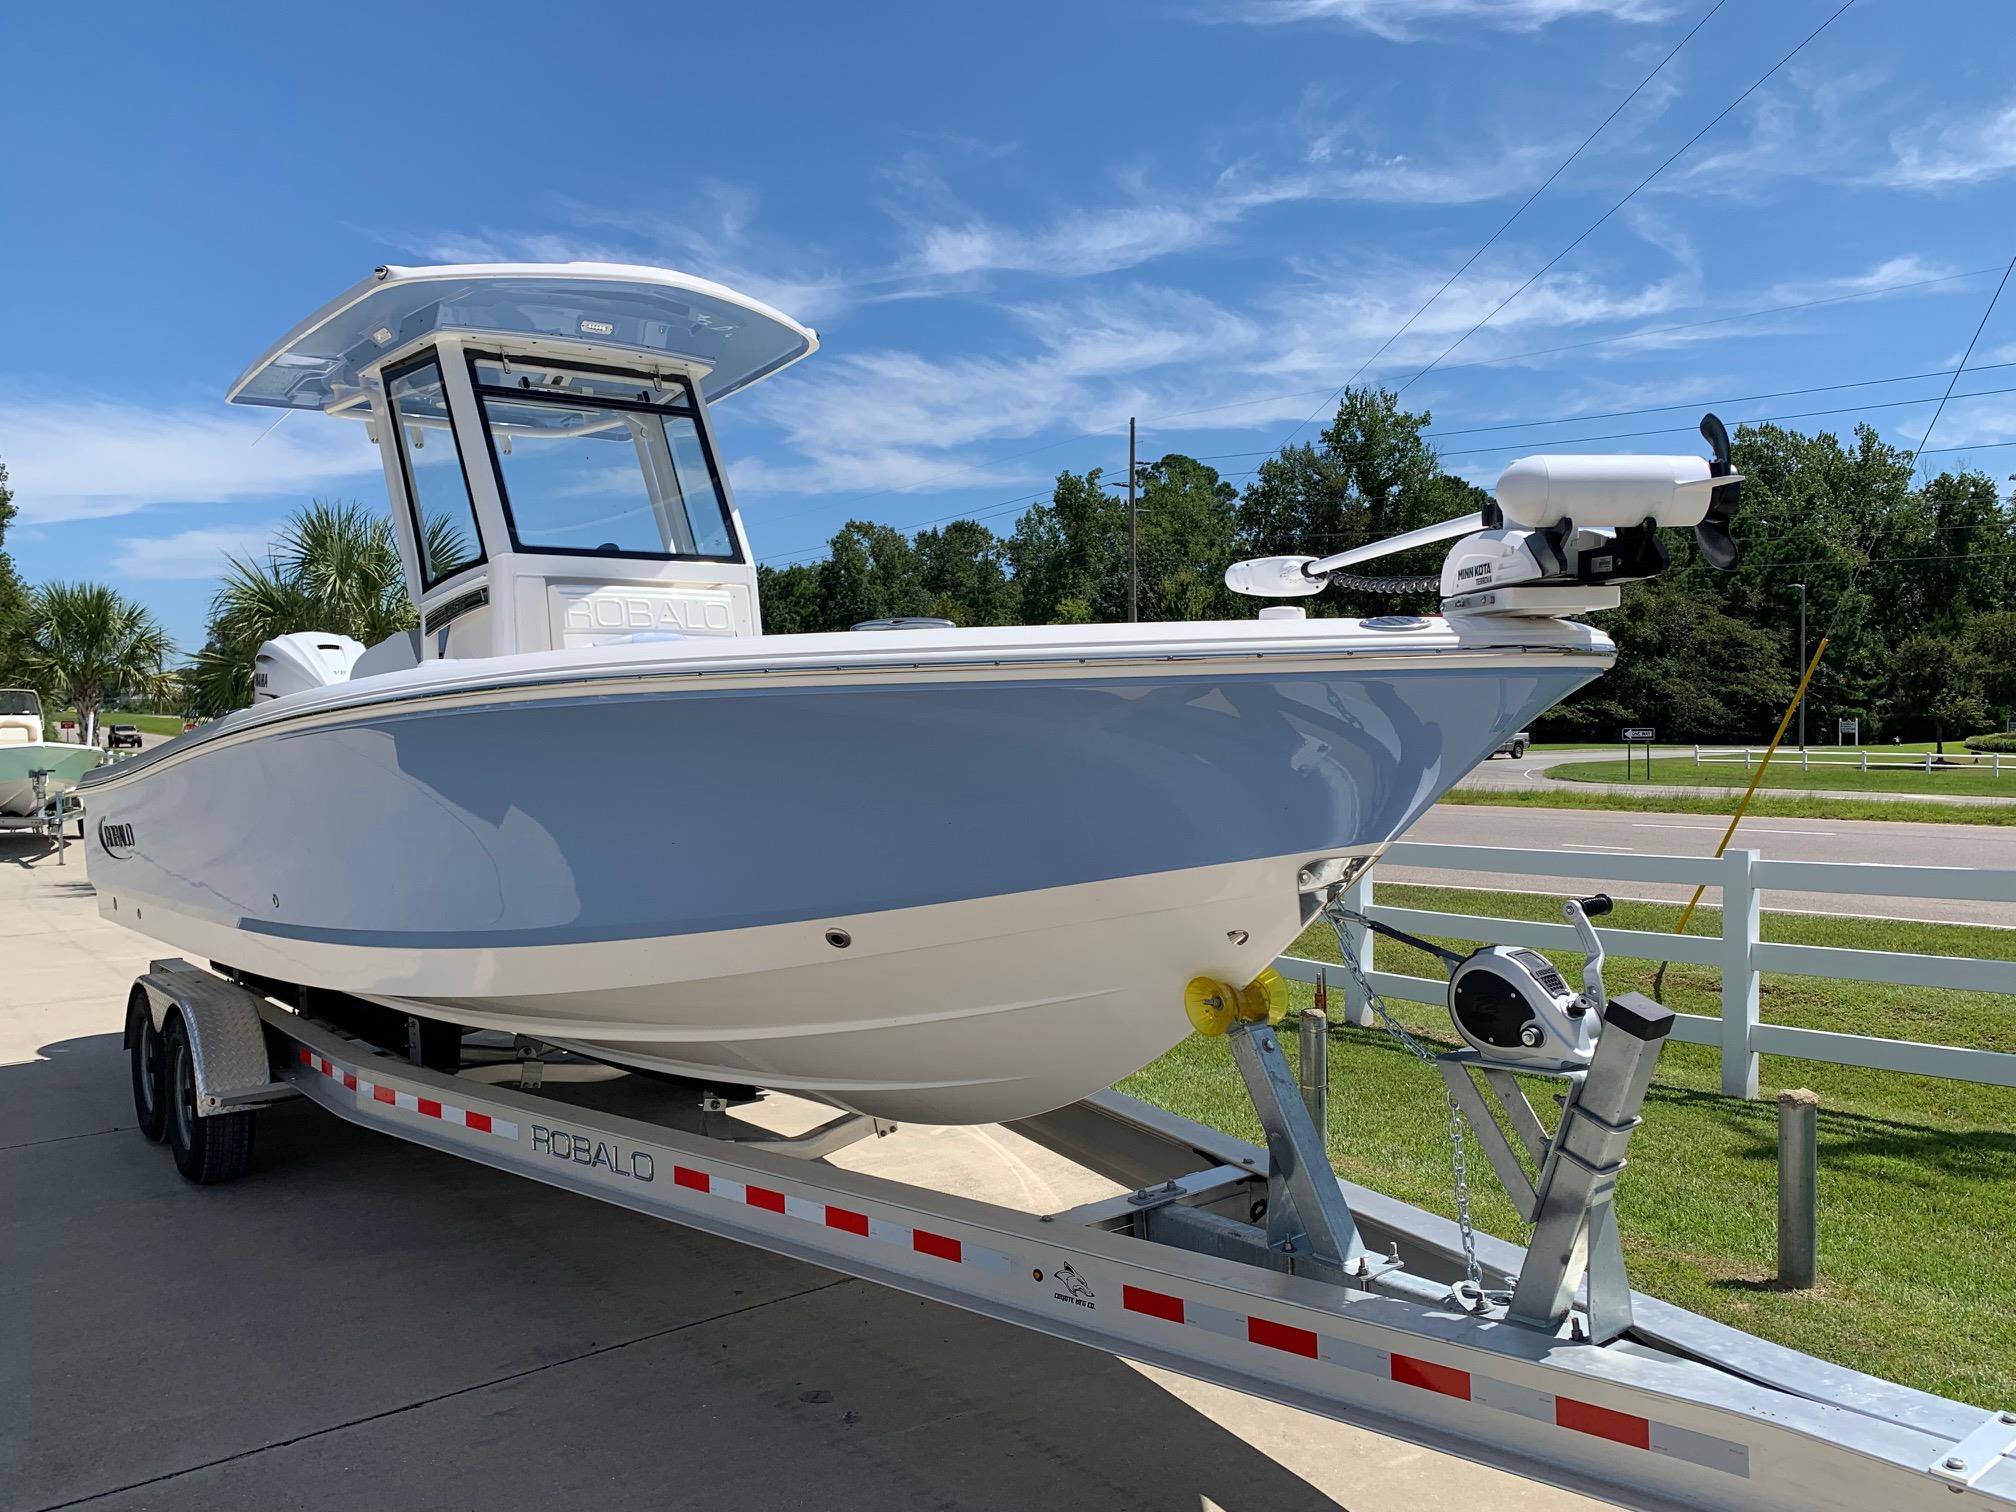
(1802, 663)
(1133, 572)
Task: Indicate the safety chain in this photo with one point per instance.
(1459, 1168)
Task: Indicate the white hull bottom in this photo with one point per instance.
(965, 1012)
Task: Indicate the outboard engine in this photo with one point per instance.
(306, 659)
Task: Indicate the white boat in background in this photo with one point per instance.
(24, 753)
(931, 873)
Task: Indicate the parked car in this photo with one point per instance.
(1515, 746)
(122, 735)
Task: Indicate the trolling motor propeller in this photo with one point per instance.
(1718, 546)
(1562, 533)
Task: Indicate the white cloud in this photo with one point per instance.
(1402, 20)
(1080, 242)
(190, 554)
(711, 237)
(1958, 152)
(897, 421)
(80, 459)
(1906, 269)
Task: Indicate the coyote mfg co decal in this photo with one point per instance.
(1074, 1288)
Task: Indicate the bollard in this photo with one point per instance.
(1316, 1068)
(1798, 1188)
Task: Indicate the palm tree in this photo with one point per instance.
(333, 567)
(86, 642)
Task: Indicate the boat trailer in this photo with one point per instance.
(52, 816)
(1251, 1266)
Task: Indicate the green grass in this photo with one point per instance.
(1776, 806)
(150, 724)
(1917, 1230)
(1955, 749)
(1784, 772)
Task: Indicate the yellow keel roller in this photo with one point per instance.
(1212, 1007)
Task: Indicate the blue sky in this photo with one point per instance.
(1012, 227)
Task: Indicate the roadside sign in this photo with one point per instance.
(1848, 731)
(1638, 735)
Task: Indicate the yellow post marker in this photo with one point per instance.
(1792, 708)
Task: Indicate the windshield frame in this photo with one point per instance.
(690, 410)
(34, 698)
(391, 374)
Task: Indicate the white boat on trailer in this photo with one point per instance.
(922, 872)
(953, 875)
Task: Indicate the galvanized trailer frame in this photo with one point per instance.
(1340, 1307)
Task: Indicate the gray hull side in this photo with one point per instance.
(627, 817)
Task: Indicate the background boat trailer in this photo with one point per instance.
(1252, 1267)
(51, 818)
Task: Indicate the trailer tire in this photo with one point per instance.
(207, 1150)
(143, 1045)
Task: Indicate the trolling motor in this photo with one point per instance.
(1561, 533)
(1513, 1007)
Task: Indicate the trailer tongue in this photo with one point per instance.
(1252, 1266)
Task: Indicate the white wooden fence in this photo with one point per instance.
(1738, 951)
(1857, 757)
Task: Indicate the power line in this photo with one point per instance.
(1672, 158)
(1669, 430)
(1654, 409)
(1982, 325)
(1628, 336)
(1525, 205)
(1855, 574)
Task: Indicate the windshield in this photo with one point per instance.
(20, 701)
(602, 464)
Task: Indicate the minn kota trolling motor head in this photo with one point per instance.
(1560, 535)
(1512, 1006)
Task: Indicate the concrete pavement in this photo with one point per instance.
(362, 1322)
(1633, 833)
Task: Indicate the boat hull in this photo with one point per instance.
(926, 897)
(66, 764)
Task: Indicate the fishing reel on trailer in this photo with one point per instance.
(1514, 1008)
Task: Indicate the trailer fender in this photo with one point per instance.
(227, 1040)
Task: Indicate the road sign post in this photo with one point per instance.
(1638, 735)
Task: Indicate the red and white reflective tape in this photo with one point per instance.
(847, 1220)
(427, 1107)
(1446, 1380)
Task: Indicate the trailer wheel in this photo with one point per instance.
(207, 1150)
(143, 1045)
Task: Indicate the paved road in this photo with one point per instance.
(1623, 833)
(364, 1323)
